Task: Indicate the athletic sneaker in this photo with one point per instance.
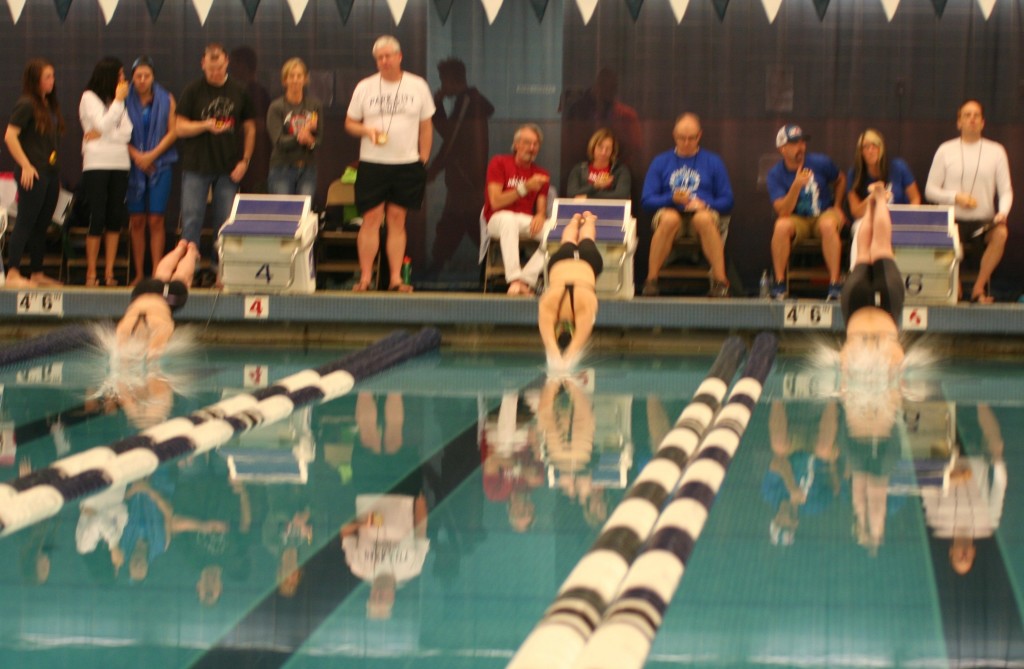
(835, 292)
(778, 290)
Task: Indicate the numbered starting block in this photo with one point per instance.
(926, 242)
(615, 238)
(266, 245)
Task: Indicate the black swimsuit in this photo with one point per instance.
(175, 293)
(876, 285)
(586, 251)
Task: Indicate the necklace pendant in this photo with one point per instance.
(382, 138)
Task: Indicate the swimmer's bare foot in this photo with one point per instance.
(44, 281)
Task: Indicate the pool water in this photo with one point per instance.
(821, 549)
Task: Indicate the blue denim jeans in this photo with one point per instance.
(195, 188)
(289, 180)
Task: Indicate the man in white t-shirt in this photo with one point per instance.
(974, 175)
(391, 112)
(386, 546)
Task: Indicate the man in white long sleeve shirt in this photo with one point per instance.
(974, 175)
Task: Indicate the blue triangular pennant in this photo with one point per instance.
(154, 7)
(634, 8)
(539, 7)
(345, 9)
(250, 8)
(821, 6)
(940, 6)
(63, 6)
(444, 9)
(720, 7)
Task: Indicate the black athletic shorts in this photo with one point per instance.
(403, 185)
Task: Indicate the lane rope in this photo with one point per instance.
(582, 599)
(624, 637)
(42, 493)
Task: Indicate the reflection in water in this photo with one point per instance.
(963, 501)
(386, 543)
(266, 537)
(803, 476)
(511, 465)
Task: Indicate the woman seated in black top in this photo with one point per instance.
(568, 309)
(149, 319)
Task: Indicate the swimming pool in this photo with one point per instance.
(819, 551)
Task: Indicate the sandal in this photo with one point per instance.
(361, 287)
(91, 281)
(400, 288)
(109, 281)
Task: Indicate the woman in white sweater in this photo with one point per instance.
(105, 163)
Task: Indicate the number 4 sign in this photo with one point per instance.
(257, 306)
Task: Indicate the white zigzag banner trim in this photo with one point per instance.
(986, 7)
(202, 8)
(107, 7)
(298, 8)
(586, 8)
(890, 8)
(771, 8)
(679, 8)
(397, 8)
(16, 7)
(491, 8)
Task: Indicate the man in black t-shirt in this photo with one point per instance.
(214, 153)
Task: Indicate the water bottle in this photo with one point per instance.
(765, 285)
(407, 270)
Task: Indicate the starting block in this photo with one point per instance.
(270, 454)
(267, 245)
(615, 238)
(926, 243)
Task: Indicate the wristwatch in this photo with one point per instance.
(521, 189)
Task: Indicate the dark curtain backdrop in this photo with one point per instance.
(744, 76)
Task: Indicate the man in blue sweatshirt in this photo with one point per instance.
(688, 190)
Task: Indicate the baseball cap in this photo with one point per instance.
(789, 133)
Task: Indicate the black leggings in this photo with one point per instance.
(877, 285)
(106, 192)
(35, 211)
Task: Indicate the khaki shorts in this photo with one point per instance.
(806, 227)
(686, 229)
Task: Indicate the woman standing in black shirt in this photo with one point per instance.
(32, 136)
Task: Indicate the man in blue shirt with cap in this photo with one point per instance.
(807, 191)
